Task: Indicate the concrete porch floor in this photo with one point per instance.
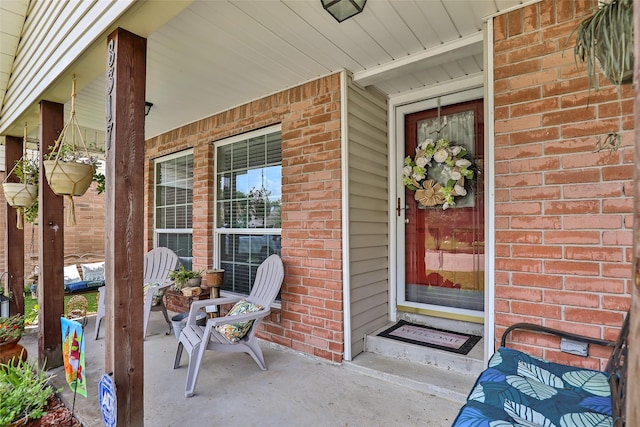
(297, 390)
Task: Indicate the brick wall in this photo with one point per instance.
(563, 211)
(311, 317)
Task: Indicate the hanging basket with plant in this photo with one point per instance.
(22, 194)
(606, 39)
(69, 168)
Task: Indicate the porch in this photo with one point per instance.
(297, 388)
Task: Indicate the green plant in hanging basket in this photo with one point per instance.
(69, 171)
(606, 39)
(22, 194)
(69, 168)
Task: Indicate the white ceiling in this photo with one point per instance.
(214, 55)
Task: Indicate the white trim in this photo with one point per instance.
(344, 164)
(156, 231)
(457, 49)
(490, 198)
(248, 135)
(463, 90)
(452, 86)
(171, 156)
(393, 220)
(240, 231)
(510, 9)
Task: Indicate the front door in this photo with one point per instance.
(444, 202)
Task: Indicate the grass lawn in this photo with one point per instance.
(31, 310)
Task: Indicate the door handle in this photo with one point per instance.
(399, 208)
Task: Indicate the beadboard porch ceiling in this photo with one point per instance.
(213, 55)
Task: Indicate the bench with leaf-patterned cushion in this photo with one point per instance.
(522, 390)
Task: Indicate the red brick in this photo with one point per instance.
(572, 176)
(572, 237)
(607, 285)
(592, 253)
(537, 280)
(590, 222)
(579, 299)
(568, 268)
(572, 207)
(538, 193)
(519, 293)
(573, 314)
(543, 310)
(533, 107)
(537, 251)
(538, 164)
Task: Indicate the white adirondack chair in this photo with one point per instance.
(158, 263)
(196, 339)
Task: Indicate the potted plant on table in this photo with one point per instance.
(183, 277)
(606, 38)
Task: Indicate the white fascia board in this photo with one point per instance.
(26, 87)
(459, 48)
(462, 84)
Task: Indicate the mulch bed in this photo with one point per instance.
(57, 415)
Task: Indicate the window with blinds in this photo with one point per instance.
(174, 204)
(248, 199)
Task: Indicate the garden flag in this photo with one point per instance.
(73, 355)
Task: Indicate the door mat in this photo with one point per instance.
(455, 342)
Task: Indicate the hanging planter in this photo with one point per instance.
(68, 167)
(23, 194)
(606, 39)
(68, 178)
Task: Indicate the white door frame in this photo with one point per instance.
(451, 93)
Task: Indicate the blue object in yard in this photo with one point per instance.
(107, 400)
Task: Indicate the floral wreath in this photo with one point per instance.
(455, 169)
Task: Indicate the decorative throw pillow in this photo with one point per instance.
(71, 274)
(234, 332)
(157, 295)
(93, 272)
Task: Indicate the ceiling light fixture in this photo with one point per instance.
(343, 9)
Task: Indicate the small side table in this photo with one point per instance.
(178, 303)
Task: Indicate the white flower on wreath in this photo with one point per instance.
(455, 171)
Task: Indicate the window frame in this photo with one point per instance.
(219, 231)
(158, 231)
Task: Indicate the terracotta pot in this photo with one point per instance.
(11, 349)
(68, 178)
(20, 195)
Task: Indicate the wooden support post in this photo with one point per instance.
(50, 246)
(14, 238)
(633, 358)
(124, 221)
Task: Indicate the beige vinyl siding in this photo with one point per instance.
(368, 219)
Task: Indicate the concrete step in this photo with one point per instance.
(470, 364)
(452, 386)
